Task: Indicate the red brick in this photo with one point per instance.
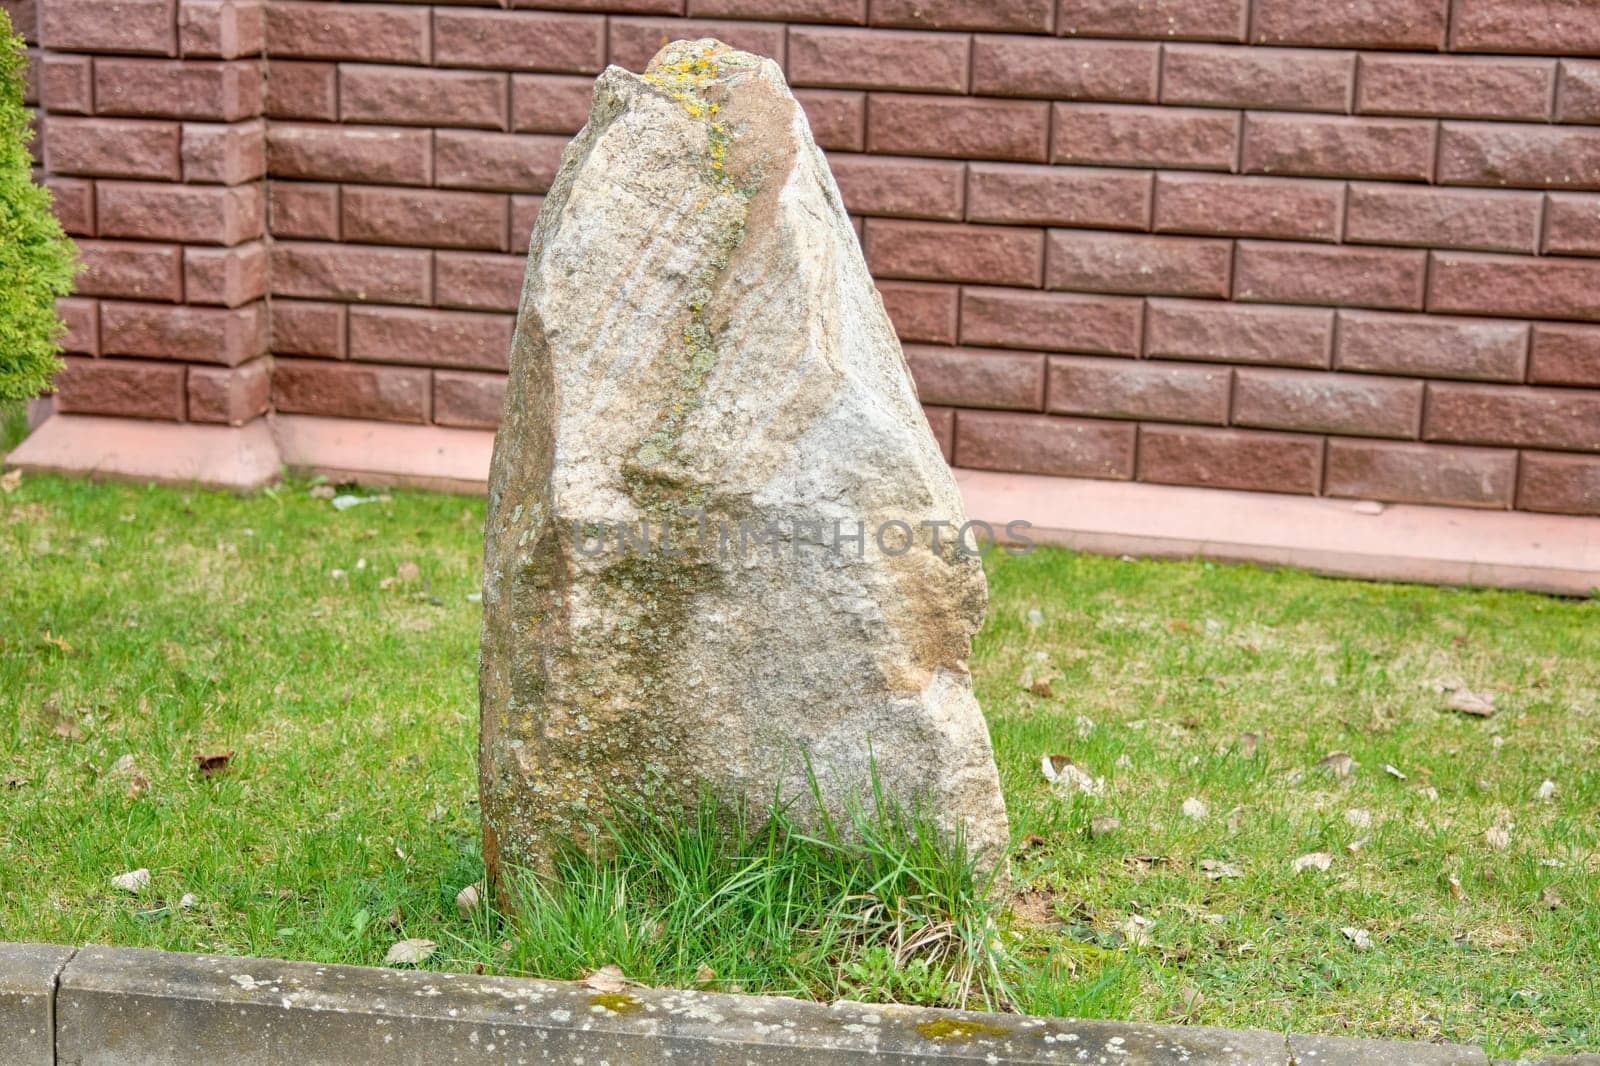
(1443, 218)
(406, 97)
(373, 215)
(1066, 69)
(1319, 402)
(1137, 388)
(307, 91)
(112, 148)
(1563, 484)
(942, 421)
(1421, 473)
(136, 26)
(506, 162)
(32, 61)
(73, 202)
(1564, 355)
(1042, 444)
(66, 84)
(350, 390)
(1117, 135)
(473, 281)
(82, 319)
(964, 128)
(433, 338)
(306, 210)
(304, 328)
(1571, 26)
(1388, 278)
(978, 377)
(196, 214)
(1572, 225)
(227, 276)
(222, 29)
(24, 15)
(350, 153)
(1416, 24)
(921, 311)
(1324, 146)
(1236, 333)
(935, 251)
(1511, 285)
(131, 269)
(907, 188)
(1432, 346)
(1534, 157)
(613, 7)
(350, 272)
(838, 119)
(380, 33)
(193, 89)
(1560, 419)
(121, 387)
(846, 12)
(471, 401)
(524, 213)
(1578, 95)
(1230, 459)
(1022, 16)
(835, 58)
(231, 396)
(225, 336)
(1287, 79)
(1052, 322)
(549, 103)
(230, 153)
(635, 41)
(1248, 207)
(1089, 261)
(1095, 197)
(1188, 20)
(1455, 87)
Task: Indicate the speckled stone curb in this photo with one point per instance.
(98, 1006)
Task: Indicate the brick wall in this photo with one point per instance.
(1344, 248)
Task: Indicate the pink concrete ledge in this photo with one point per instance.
(386, 453)
(239, 458)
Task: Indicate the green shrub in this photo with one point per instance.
(36, 259)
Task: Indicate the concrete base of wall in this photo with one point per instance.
(239, 458)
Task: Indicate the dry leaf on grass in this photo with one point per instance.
(1466, 701)
(1359, 937)
(607, 979)
(213, 763)
(1216, 869)
(1456, 891)
(1039, 681)
(1394, 772)
(1497, 837)
(1316, 860)
(411, 952)
(1551, 897)
(1248, 742)
(467, 900)
(1136, 930)
(1063, 773)
(1338, 765)
(1195, 808)
(133, 881)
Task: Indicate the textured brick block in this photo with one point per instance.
(978, 377)
(130, 269)
(112, 148)
(1421, 473)
(846, 12)
(73, 202)
(468, 400)
(406, 97)
(226, 276)
(222, 29)
(921, 311)
(305, 328)
(942, 421)
(613, 7)
(351, 390)
(963, 128)
(1534, 157)
(1249, 207)
(1096, 197)
(1066, 69)
(307, 91)
(508, 162)
(82, 319)
(1052, 322)
(835, 58)
(379, 33)
(907, 188)
(524, 213)
(1118, 135)
(1564, 355)
(121, 387)
(1130, 388)
(1042, 444)
(427, 217)
(635, 41)
(232, 395)
(433, 338)
(195, 214)
(933, 251)
(1443, 218)
(1432, 346)
(473, 281)
(347, 272)
(838, 119)
(1416, 24)
(1191, 20)
(1287, 79)
(24, 15)
(1385, 278)
(225, 336)
(1236, 333)
(549, 103)
(1318, 402)
(1563, 484)
(135, 26)
(1578, 94)
(350, 153)
(1571, 26)
(1572, 225)
(1230, 459)
(1456, 87)
(230, 153)
(1324, 146)
(1559, 419)
(1089, 261)
(1021, 16)
(304, 210)
(161, 88)
(1510, 285)
(66, 84)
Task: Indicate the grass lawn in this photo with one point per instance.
(334, 654)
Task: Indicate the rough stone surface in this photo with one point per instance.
(27, 996)
(700, 341)
(1341, 1051)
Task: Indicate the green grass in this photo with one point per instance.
(161, 625)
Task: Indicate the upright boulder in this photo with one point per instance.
(721, 545)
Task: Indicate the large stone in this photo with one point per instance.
(701, 350)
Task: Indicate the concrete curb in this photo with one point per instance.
(96, 1006)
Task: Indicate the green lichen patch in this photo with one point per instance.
(958, 1029)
